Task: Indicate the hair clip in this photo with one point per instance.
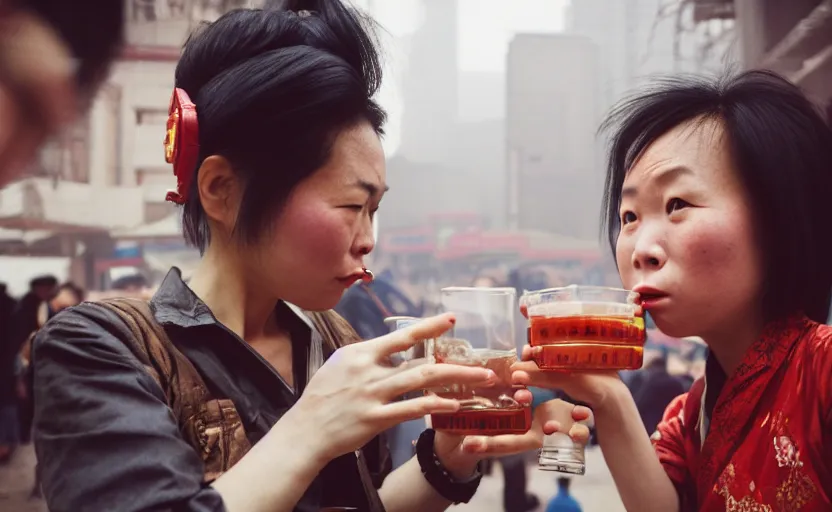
(182, 144)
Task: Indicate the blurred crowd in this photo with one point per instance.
(20, 319)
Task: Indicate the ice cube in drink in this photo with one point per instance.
(483, 410)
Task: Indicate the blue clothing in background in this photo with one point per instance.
(541, 395)
(563, 502)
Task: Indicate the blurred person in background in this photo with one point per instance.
(135, 285)
(9, 431)
(65, 296)
(653, 388)
(563, 500)
(241, 389)
(53, 56)
(130, 284)
(366, 305)
(25, 319)
(717, 213)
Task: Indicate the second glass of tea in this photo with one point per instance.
(585, 328)
(483, 335)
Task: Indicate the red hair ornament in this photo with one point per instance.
(182, 144)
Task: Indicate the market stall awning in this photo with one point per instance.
(23, 237)
(35, 204)
(169, 227)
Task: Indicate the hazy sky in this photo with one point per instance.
(485, 28)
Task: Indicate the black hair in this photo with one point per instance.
(563, 482)
(46, 280)
(92, 29)
(782, 148)
(129, 281)
(273, 88)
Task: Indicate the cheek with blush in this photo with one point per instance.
(318, 233)
(714, 259)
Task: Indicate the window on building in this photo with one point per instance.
(146, 116)
(194, 10)
(67, 158)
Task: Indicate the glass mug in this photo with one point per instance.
(585, 328)
(483, 335)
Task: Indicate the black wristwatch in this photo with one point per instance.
(438, 477)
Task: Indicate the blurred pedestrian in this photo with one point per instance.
(563, 501)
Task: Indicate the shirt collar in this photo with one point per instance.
(174, 303)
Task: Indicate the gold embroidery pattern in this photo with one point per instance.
(798, 489)
(746, 504)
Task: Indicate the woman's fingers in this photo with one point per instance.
(581, 413)
(528, 374)
(415, 408)
(523, 396)
(528, 353)
(403, 339)
(579, 433)
(551, 427)
(429, 376)
(503, 445)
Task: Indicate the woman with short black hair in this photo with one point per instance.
(235, 391)
(717, 210)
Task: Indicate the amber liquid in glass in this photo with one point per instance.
(586, 342)
(483, 410)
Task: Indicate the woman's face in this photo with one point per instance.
(687, 239)
(37, 95)
(65, 298)
(326, 228)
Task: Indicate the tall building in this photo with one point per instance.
(554, 180)
(431, 85)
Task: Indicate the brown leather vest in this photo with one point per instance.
(212, 426)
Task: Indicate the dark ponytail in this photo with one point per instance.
(273, 88)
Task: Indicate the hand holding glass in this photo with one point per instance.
(483, 335)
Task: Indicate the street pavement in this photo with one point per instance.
(16, 483)
(595, 491)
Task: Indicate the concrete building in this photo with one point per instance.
(639, 39)
(553, 110)
(793, 38)
(430, 85)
